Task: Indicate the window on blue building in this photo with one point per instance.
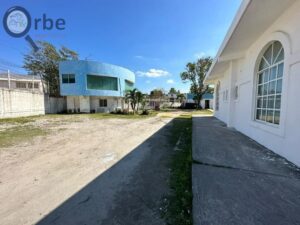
(103, 102)
(68, 78)
(102, 83)
(128, 85)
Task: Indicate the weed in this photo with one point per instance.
(177, 207)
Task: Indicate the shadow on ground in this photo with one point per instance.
(129, 192)
(238, 181)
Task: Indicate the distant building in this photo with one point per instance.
(24, 82)
(207, 101)
(172, 97)
(92, 86)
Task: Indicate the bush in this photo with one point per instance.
(125, 111)
(119, 111)
(145, 112)
(189, 106)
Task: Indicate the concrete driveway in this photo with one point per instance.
(237, 181)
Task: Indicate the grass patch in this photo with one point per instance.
(202, 112)
(75, 117)
(165, 116)
(18, 120)
(19, 134)
(28, 119)
(168, 110)
(118, 116)
(177, 209)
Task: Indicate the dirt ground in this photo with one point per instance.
(49, 179)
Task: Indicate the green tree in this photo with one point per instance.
(139, 98)
(134, 97)
(195, 72)
(131, 96)
(173, 91)
(144, 101)
(45, 62)
(180, 97)
(156, 93)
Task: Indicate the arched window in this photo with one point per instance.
(269, 84)
(217, 96)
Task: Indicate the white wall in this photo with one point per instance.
(223, 111)
(73, 104)
(55, 105)
(112, 104)
(285, 138)
(17, 103)
(88, 103)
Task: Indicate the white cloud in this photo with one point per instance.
(199, 55)
(139, 57)
(211, 53)
(153, 73)
(170, 81)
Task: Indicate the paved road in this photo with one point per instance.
(238, 181)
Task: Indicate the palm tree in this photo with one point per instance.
(139, 98)
(127, 101)
(131, 96)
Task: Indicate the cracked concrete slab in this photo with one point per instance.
(237, 181)
(216, 144)
(230, 196)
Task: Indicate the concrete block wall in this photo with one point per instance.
(17, 103)
(55, 105)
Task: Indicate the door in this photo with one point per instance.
(206, 104)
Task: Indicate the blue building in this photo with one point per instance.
(92, 86)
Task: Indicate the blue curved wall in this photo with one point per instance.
(82, 68)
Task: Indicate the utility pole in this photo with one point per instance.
(32, 83)
(8, 78)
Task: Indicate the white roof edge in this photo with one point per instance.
(241, 11)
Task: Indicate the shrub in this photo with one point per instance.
(145, 112)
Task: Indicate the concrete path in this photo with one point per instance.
(238, 181)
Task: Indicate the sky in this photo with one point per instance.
(153, 38)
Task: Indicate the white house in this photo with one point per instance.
(256, 74)
(206, 102)
(24, 82)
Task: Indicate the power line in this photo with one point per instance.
(11, 70)
(10, 65)
(4, 43)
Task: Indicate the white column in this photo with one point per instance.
(231, 98)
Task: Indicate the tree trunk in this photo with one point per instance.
(199, 101)
(132, 107)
